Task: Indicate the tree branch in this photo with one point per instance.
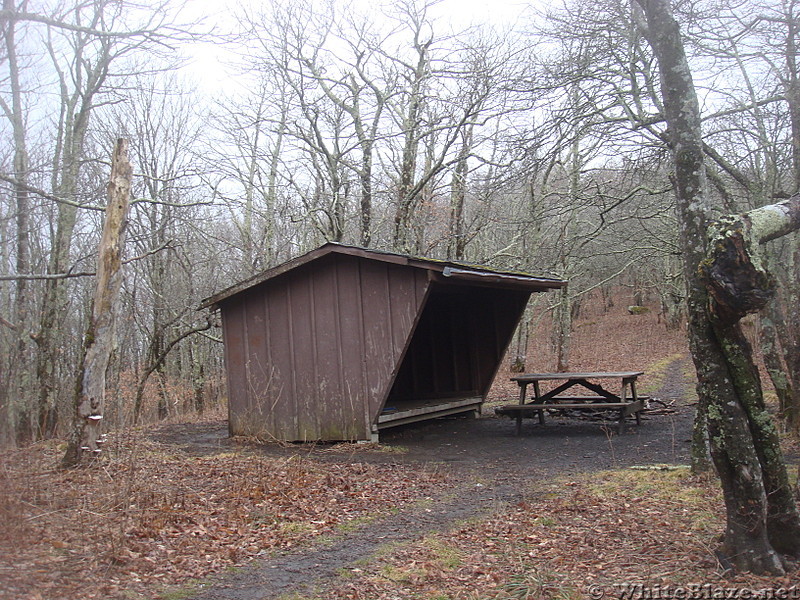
(735, 273)
(7, 15)
(46, 195)
(175, 341)
(72, 274)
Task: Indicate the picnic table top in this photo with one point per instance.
(528, 377)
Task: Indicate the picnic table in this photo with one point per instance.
(626, 401)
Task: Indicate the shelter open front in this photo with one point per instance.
(454, 352)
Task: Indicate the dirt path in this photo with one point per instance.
(493, 466)
(298, 572)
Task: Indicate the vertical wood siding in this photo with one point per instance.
(311, 354)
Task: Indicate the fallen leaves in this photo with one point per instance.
(599, 530)
(148, 517)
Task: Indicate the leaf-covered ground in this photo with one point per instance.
(598, 535)
(152, 522)
(150, 517)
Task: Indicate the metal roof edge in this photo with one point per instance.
(502, 276)
(455, 269)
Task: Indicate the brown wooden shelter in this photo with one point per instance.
(343, 341)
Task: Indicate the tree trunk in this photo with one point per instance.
(406, 194)
(155, 365)
(20, 388)
(563, 329)
(762, 519)
(773, 360)
(457, 244)
(365, 179)
(89, 400)
(792, 91)
(50, 339)
(701, 450)
(159, 316)
(790, 335)
(161, 384)
(198, 378)
(79, 84)
(739, 283)
(269, 241)
(564, 308)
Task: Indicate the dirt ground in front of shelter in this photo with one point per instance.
(488, 464)
(488, 443)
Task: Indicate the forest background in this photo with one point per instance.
(538, 145)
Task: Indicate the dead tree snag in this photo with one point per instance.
(86, 437)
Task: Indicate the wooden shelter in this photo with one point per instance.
(343, 341)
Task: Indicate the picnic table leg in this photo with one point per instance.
(522, 389)
(537, 393)
(623, 393)
(635, 399)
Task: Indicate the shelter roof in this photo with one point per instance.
(454, 271)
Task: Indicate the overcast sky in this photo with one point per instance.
(208, 61)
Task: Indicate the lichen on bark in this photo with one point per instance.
(733, 271)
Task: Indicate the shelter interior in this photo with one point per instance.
(454, 352)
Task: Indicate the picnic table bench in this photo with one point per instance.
(626, 402)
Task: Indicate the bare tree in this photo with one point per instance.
(593, 209)
(361, 90)
(442, 96)
(19, 376)
(77, 46)
(163, 125)
(244, 167)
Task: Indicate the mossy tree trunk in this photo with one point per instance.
(739, 284)
(726, 280)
